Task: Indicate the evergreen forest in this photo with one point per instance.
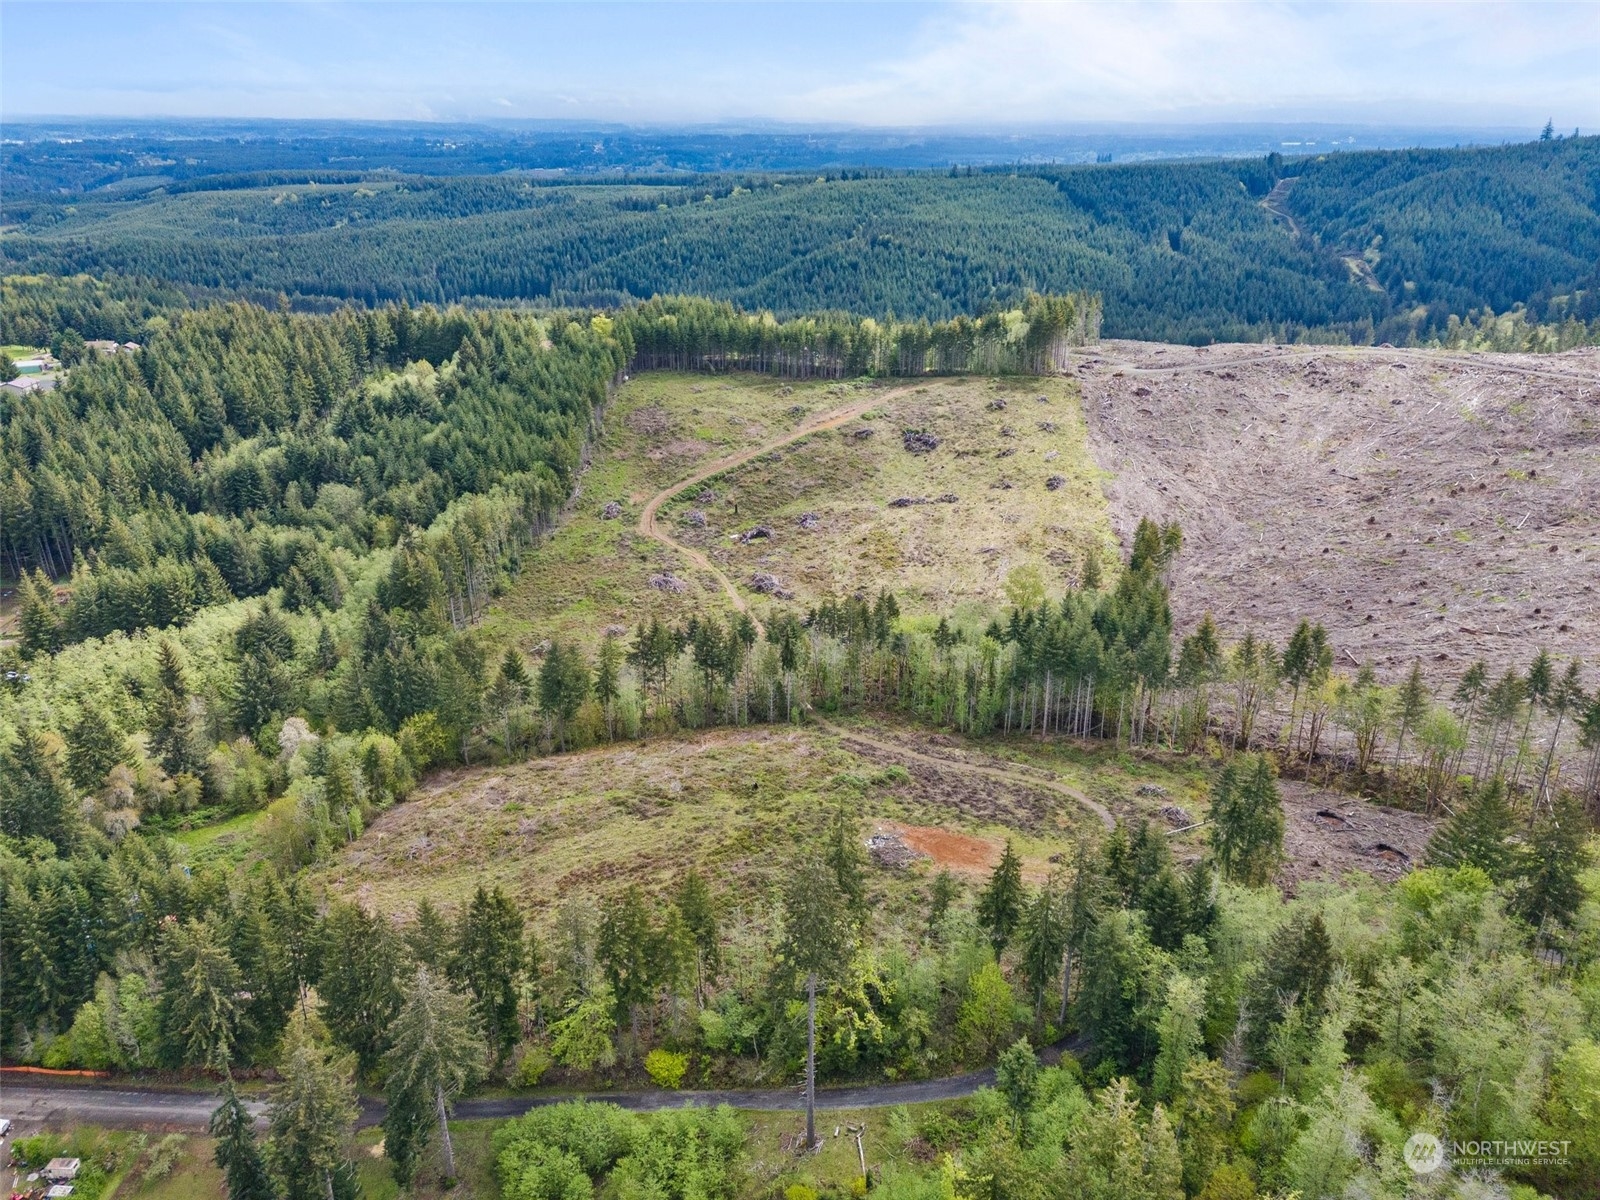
(1366, 247)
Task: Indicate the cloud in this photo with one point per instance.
(994, 64)
(1046, 63)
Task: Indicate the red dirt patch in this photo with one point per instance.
(956, 851)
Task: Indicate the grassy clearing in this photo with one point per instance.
(229, 841)
(594, 573)
(937, 555)
(475, 1174)
(735, 803)
(775, 1162)
(661, 427)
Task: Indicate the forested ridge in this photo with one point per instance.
(1178, 252)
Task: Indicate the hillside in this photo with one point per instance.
(1417, 504)
(1179, 251)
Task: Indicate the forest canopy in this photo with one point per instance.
(1382, 245)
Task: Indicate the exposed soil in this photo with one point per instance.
(1418, 504)
(1328, 834)
(948, 850)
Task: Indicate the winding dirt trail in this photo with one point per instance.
(992, 768)
(651, 529)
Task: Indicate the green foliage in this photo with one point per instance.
(1118, 1156)
(666, 1067)
(1000, 904)
(988, 1015)
(309, 1117)
(360, 998)
(582, 1039)
(1478, 834)
(1016, 1077)
(236, 1152)
(1247, 821)
(486, 956)
(1180, 251)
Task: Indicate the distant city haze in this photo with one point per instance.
(1483, 67)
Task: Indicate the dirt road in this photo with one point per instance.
(992, 769)
(647, 518)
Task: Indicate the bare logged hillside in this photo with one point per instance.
(1416, 503)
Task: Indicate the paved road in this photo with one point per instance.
(34, 1105)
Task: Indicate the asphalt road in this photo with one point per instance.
(34, 1105)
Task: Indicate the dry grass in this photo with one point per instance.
(736, 804)
(935, 555)
(594, 573)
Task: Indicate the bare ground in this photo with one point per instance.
(1328, 834)
(1417, 503)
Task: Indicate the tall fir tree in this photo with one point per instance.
(486, 957)
(437, 1052)
(1478, 834)
(1000, 903)
(236, 1152)
(1247, 821)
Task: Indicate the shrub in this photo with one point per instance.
(33, 1152)
(683, 1154)
(596, 1134)
(531, 1066)
(666, 1067)
(540, 1172)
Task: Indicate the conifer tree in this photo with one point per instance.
(1550, 887)
(94, 746)
(1016, 1077)
(34, 800)
(815, 945)
(310, 1116)
(1247, 821)
(1478, 834)
(174, 738)
(1410, 705)
(942, 895)
(844, 855)
(200, 1011)
(362, 994)
(39, 620)
(1000, 903)
(1044, 939)
(699, 920)
(437, 1053)
(236, 1152)
(608, 679)
(486, 957)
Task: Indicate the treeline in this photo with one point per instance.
(686, 334)
(1179, 251)
(242, 450)
(36, 309)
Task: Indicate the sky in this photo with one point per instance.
(988, 66)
